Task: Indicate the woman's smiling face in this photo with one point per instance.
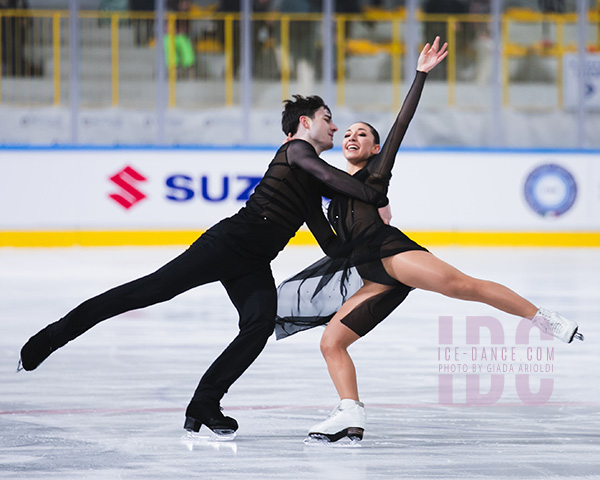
(359, 143)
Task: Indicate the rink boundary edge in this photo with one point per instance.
(302, 238)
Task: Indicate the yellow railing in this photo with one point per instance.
(452, 23)
(347, 46)
(50, 32)
(14, 18)
(544, 47)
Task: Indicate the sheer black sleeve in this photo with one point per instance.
(326, 238)
(380, 166)
(301, 154)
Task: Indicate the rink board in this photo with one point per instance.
(123, 196)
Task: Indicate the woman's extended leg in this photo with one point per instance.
(424, 270)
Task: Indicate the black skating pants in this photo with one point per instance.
(249, 284)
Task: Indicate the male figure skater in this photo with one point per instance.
(237, 252)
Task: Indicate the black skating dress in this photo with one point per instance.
(312, 297)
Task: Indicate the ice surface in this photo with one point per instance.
(111, 404)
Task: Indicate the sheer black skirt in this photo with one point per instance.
(313, 296)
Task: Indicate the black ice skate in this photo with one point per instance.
(37, 349)
(209, 414)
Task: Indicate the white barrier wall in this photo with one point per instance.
(483, 191)
(179, 189)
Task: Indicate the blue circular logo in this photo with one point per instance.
(550, 190)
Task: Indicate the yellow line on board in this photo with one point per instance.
(97, 238)
(186, 237)
(507, 239)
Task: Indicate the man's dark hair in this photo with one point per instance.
(300, 106)
(373, 131)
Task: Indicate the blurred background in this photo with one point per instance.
(520, 73)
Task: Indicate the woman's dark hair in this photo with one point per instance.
(300, 106)
(373, 131)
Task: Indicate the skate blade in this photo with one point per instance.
(346, 438)
(579, 336)
(20, 366)
(345, 442)
(223, 434)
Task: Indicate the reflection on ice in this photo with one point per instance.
(197, 441)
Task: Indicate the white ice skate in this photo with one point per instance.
(347, 420)
(557, 325)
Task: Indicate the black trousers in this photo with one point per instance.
(248, 282)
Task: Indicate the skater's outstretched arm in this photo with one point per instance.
(381, 165)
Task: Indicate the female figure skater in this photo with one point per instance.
(390, 264)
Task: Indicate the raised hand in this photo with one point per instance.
(431, 55)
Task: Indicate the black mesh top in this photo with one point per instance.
(290, 192)
(354, 220)
(312, 297)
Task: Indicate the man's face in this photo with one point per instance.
(321, 129)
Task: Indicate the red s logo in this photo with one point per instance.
(126, 180)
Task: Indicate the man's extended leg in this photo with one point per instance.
(197, 265)
(255, 297)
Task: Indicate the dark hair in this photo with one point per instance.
(374, 132)
(300, 106)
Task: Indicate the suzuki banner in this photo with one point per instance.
(174, 189)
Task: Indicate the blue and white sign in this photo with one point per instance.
(591, 81)
(550, 190)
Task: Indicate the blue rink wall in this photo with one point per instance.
(168, 196)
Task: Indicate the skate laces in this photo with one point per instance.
(558, 326)
(543, 319)
(555, 324)
(336, 411)
(340, 408)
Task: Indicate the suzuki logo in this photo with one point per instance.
(126, 180)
